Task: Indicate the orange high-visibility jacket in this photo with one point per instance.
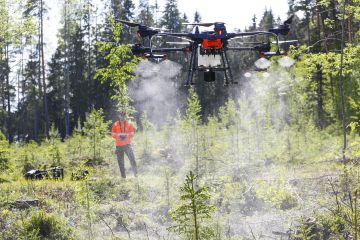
(122, 127)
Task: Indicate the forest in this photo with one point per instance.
(274, 157)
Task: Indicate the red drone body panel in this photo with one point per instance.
(212, 44)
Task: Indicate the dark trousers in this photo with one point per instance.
(120, 157)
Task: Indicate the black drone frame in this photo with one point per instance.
(195, 40)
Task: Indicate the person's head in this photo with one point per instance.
(122, 115)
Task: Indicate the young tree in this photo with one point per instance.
(96, 128)
(120, 68)
(193, 111)
(193, 211)
(4, 152)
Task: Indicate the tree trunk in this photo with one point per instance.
(318, 24)
(307, 15)
(194, 208)
(67, 82)
(46, 113)
(8, 99)
(319, 91)
(341, 80)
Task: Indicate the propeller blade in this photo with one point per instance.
(159, 29)
(130, 24)
(289, 20)
(178, 43)
(287, 41)
(199, 24)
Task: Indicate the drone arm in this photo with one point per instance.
(250, 34)
(241, 49)
(183, 35)
(164, 50)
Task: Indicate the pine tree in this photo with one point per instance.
(38, 9)
(30, 108)
(129, 7)
(197, 17)
(13, 30)
(267, 21)
(79, 85)
(56, 90)
(145, 15)
(193, 211)
(171, 16)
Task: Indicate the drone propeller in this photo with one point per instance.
(130, 24)
(178, 43)
(285, 42)
(199, 24)
(289, 20)
(284, 28)
(159, 29)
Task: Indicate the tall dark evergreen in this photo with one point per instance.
(197, 17)
(56, 89)
(79, 86)
(145, 15)
(267, 21)
(30, 107)
(129, 8)
(37, 9)
(171, 16)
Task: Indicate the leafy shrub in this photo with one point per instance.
(41, 225)
(4, 152)
(277, 195)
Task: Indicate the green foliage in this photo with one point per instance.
(171, 18)
(308, 230)
(4, 153)
(55, 153)
(121, 65)
(228, 114)
(193, 110)
(96, 128)
(42, 225)
(191, 215)
(277, 195)
(147, 130)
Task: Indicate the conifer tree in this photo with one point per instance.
(197, 17)
(171, 16)
(193, 211)
(38, 9)
(145, 15)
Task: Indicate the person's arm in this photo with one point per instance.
(114, 134)
(131, 131)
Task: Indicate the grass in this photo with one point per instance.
(257, 187)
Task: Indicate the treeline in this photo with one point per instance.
(36, 93)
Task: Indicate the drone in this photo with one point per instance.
(36, 174)
(208, 48)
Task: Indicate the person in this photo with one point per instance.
(123, 131)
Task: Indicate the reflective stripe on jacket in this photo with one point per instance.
(122, 127)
